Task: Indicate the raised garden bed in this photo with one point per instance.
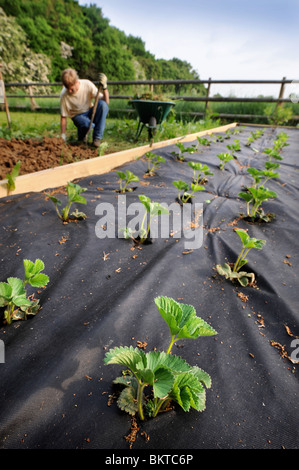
(56, 391)
(50, 162)
(37, 155)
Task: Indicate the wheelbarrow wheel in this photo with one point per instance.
(152, 123)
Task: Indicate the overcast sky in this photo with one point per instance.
(221, 39)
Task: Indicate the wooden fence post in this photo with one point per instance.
(208, 94)
(281, 92)
(151, 87)
(3, 97)
(33, 103)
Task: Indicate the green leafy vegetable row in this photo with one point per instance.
(169, 377)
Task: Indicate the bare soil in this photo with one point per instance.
(36, 155)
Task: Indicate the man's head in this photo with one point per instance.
(70, 80)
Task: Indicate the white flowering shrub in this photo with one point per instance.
(19, 63)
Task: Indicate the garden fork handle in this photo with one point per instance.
(93, 113)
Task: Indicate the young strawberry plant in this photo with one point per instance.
(169, 376)
(254, 136)
(257, 193)
(182, 150)
(182, 187)
(125, 179)
(281, 141)
(278, 145)
(180, 154)
(256, 196)
(74, 196)
(250, 140)
(183, 194)
(234, 147)
(224, 158)
(204, 141)
(198, 170)
(154, 162)
(11, 177)
(234, 273)
(13, 296)
(272, 153)
(271, 165)
(152, 209)
(262, 175)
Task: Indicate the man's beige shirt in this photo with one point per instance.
(79, 102)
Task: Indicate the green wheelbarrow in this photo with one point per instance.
(151, 114)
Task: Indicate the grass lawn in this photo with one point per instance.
(119, 133)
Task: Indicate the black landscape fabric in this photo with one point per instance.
(56, 392)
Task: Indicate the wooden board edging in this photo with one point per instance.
(60, 176)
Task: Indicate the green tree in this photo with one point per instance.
(112, 55)
(71, 35)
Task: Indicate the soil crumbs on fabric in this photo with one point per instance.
(36, 155)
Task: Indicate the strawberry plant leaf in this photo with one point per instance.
(33, 268)
(243, 280)
(121, 175)
(32, 309)
(54, 199)
(131, 177)
(224, 270)
(127, 401)
(16, 285)
(197, 187)
(194, 328)
(157, 209)
(247, 196)
(38, 266)
(78, 215)
(33, 273)
(243, 235)
(79, 199)
(126, 356)
(157, 359)
(170, 311)
(5, 291)
(163, 382)
(188, 392)
(126, 381)
(39, 280)
(181, 185)
(182, 320)
(242, 277)
(73, 192)
(271, 165)
(242, 262)
(202, 376)
(145, 201)
(146, 375)
(21, 301)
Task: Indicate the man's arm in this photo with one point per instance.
(63, 123)
(103, 85)
(106, 95)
